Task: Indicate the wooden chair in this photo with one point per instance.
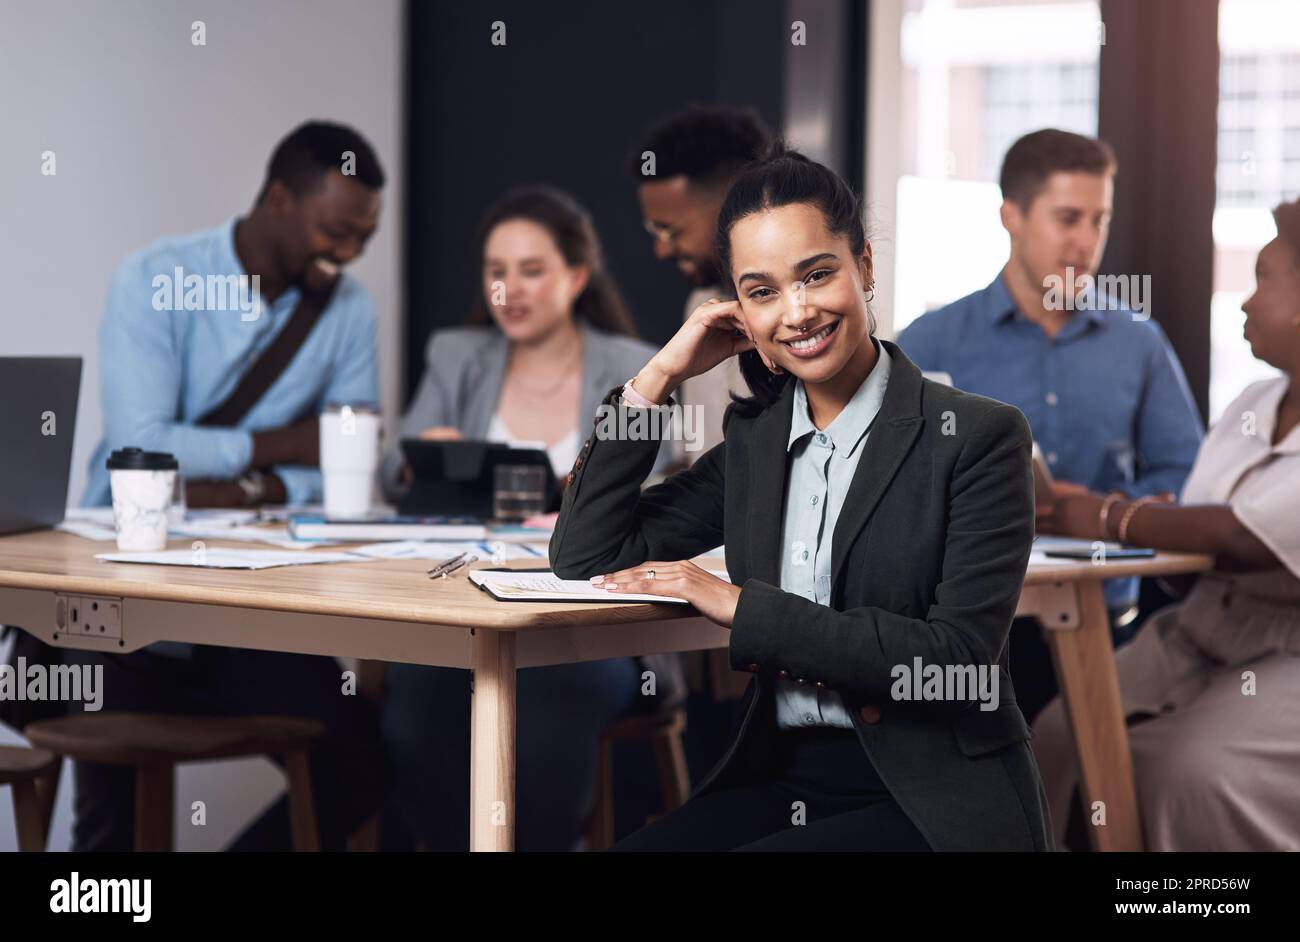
(33, 774)
(155, 743)
(664, 733)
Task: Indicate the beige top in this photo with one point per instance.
(1238, 617)
(1239, 465)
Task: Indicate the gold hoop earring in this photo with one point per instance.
(869, 295)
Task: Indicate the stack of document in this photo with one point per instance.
(494, 551)
(319, 527)
(220, 558)
(96, 523)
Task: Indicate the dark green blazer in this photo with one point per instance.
(928, 557)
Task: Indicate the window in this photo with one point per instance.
(1258, 167)
(975, 75)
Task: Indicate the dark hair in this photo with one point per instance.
(1287, 217)
(1038, 155)
(782, 178)
(312, 150)
(709, 145)
(570, 226)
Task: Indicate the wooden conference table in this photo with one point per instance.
(389, 610)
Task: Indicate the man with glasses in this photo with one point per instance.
(684, 168)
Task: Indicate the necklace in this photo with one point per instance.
(554, 387)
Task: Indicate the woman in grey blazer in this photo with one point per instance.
(877, 528)
(536, 365)
(547, 335)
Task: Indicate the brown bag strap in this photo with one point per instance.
(273, 361)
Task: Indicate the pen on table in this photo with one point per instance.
(455, 566)
(442, 566)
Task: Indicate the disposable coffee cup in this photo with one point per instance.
(142, 483)
(349, 458)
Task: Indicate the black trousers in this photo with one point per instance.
(347, 765)
(821, 793)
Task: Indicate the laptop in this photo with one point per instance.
(38, 418)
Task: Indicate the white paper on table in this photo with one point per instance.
(92, 523)
(445, 549)
(88, 530)
(222, 558)
(276, 536)
(100, 515)
(200, 530)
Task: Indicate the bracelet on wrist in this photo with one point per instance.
(634, 398)
(1125, 520)
(1103, 515)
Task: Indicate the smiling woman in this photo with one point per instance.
(871, 519)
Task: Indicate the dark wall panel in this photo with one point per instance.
(564, 102)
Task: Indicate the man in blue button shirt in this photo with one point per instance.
(186, 318)
(1096, 378)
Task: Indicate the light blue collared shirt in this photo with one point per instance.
(162, 370)
(1106, 397)
(821, 467)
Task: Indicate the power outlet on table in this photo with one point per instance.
(94, 615)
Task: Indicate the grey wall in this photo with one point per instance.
(155, 136)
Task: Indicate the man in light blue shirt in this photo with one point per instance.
(822, 462)
(1102, 389)
(183, 324)
(186, 320)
